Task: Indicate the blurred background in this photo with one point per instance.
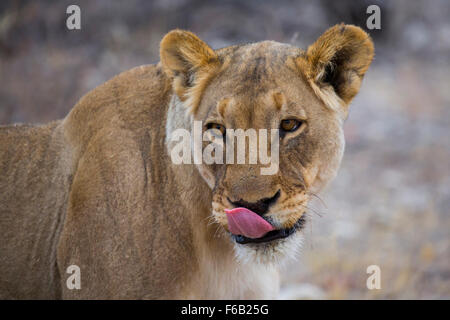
(389, 205)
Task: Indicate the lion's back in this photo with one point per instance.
(33, 191)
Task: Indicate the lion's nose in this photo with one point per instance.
(260, 207)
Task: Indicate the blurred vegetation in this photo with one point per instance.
(390, 203)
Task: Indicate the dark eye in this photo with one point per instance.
(290, 125)
(216, 126)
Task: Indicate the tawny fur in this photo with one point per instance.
(98, 188)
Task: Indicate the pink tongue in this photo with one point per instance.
(242, 221)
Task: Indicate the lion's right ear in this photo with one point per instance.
(187, 59)
(336, 63)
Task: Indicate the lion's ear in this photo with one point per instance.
(186, 58)
(337, 61)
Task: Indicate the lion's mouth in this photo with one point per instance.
(271, 235)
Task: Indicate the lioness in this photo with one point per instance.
(98, 189)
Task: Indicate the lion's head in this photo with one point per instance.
(269, 85)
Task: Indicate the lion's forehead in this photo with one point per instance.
(259, 64)
(273, 51)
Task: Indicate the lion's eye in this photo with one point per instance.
(290, 125)
(216, 126)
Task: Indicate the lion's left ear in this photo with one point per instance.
(188, 60)
(336, 63)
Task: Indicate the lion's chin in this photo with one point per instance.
(276, 251)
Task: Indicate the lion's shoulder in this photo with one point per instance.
(133, 101)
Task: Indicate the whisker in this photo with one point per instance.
(210, 219)
(318, 213)
(319, 198)
(217, 230)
